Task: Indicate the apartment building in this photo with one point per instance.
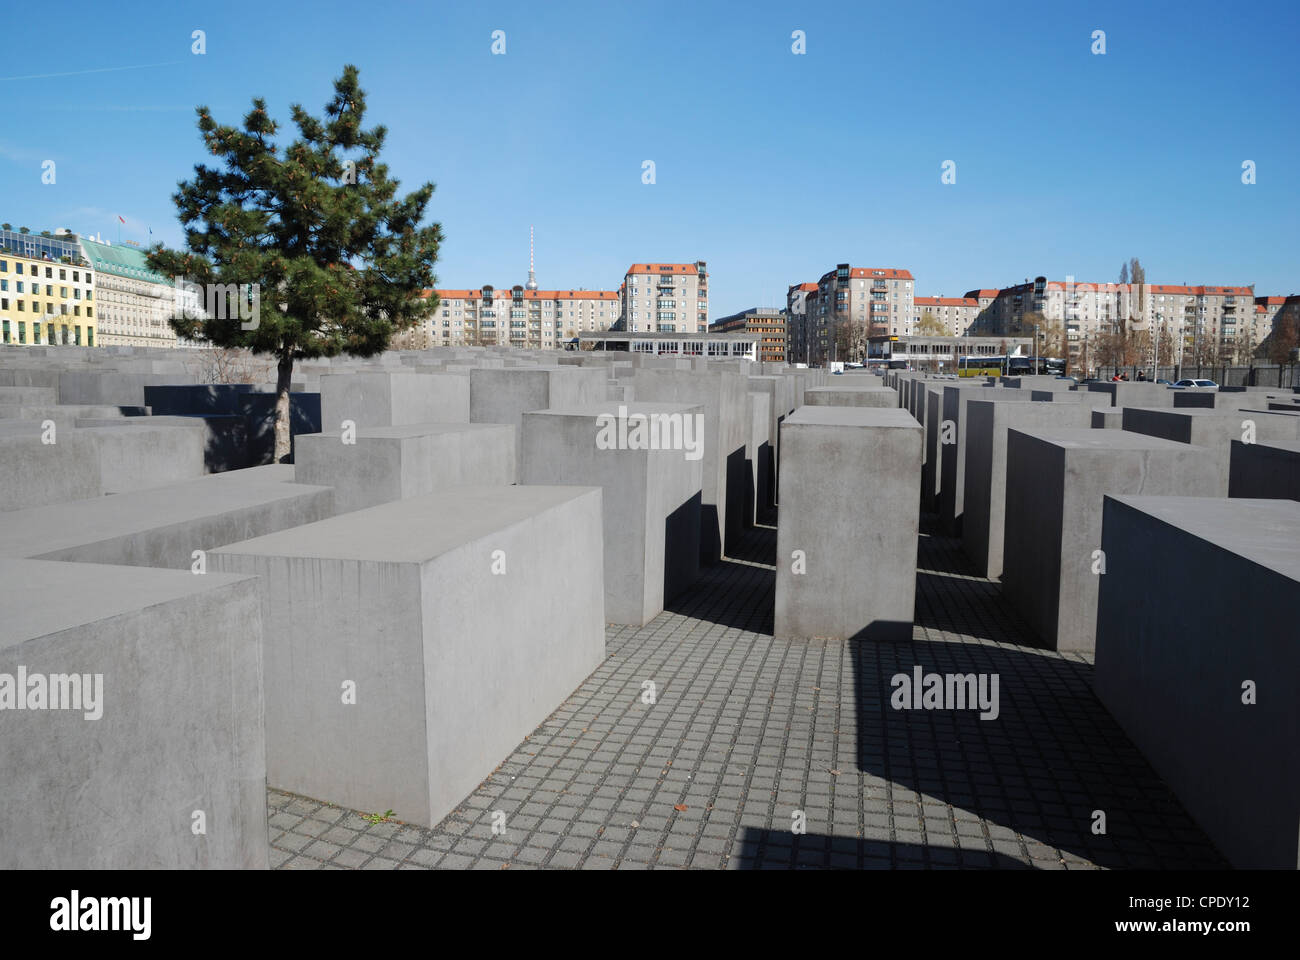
(539, 319)
(1266, 313)
(665, 298)
(1213, 320)
(861, 302)
(47, 290)
(796, 316)
(957, 314)
(134, 303)
(766, 324)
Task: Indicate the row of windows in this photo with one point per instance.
(36, 308)
(51, 336)
(49, 290)
(35, 271)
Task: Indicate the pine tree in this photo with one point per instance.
(334, 261)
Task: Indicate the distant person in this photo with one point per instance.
(1124, 378)
(1142, 375)
(1115, 379)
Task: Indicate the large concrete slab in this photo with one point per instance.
(503, 396)
(392, 399)
(163, 526)
(1197, 659)
(1213, 429)
(1134, 393)
(1266, 471)
(1051, 545)
(952, 460)
(984, 512)
(410, 460)
(849, 516)
(650, 496)
(851, 395)
(410, 646)
(172, 663)
(725, 398)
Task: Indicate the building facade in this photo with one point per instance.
(1212, 322)
(516, 316)
(47, 290)
(796, 321)
(767, 324)
(956, 314)
(851, 304)
(134, 303)
(665, 298)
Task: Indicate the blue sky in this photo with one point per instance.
(771, 166)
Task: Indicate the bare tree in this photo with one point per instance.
(233, 365)
(930, 326)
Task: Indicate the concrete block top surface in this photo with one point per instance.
(852, 417)
(613, 407)
(44, 529)
(873, 386)
(1266, 532)
(1080, 438)
(408, 430)
(415, 529)
(86, 593)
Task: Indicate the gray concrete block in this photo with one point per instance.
(35, 472)
(1199, 599)
(112, 388)
(1055, 483)
(1213, 429)
(758, 457)
(851, 395)
(984, 512)
(452, 665)
(395, 463)
(952, 461)
(725, 398)
(503, 396)
(846, 540)
(163, 526)
(650, 497)
(1108, 418)
(1134, 393)
(132, 459)
(1265, 470)
(932, 455)
(173, 663)
(1087, 397)
(392, 399)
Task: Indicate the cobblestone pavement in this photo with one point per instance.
(746, 732)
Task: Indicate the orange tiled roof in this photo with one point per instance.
(655, 268)
(1201, 291)
(874, 273)
(504, 293)
(945, 301)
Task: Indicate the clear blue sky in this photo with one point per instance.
(772, 167)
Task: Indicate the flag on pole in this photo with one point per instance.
(120, 218)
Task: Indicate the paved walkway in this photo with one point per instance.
(748, 732)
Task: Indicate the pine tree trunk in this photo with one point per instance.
(283, 380)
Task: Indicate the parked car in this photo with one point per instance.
(1064, 377)
(1204, 384)
(1167, 383)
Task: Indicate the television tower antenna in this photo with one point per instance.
(532, 275)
